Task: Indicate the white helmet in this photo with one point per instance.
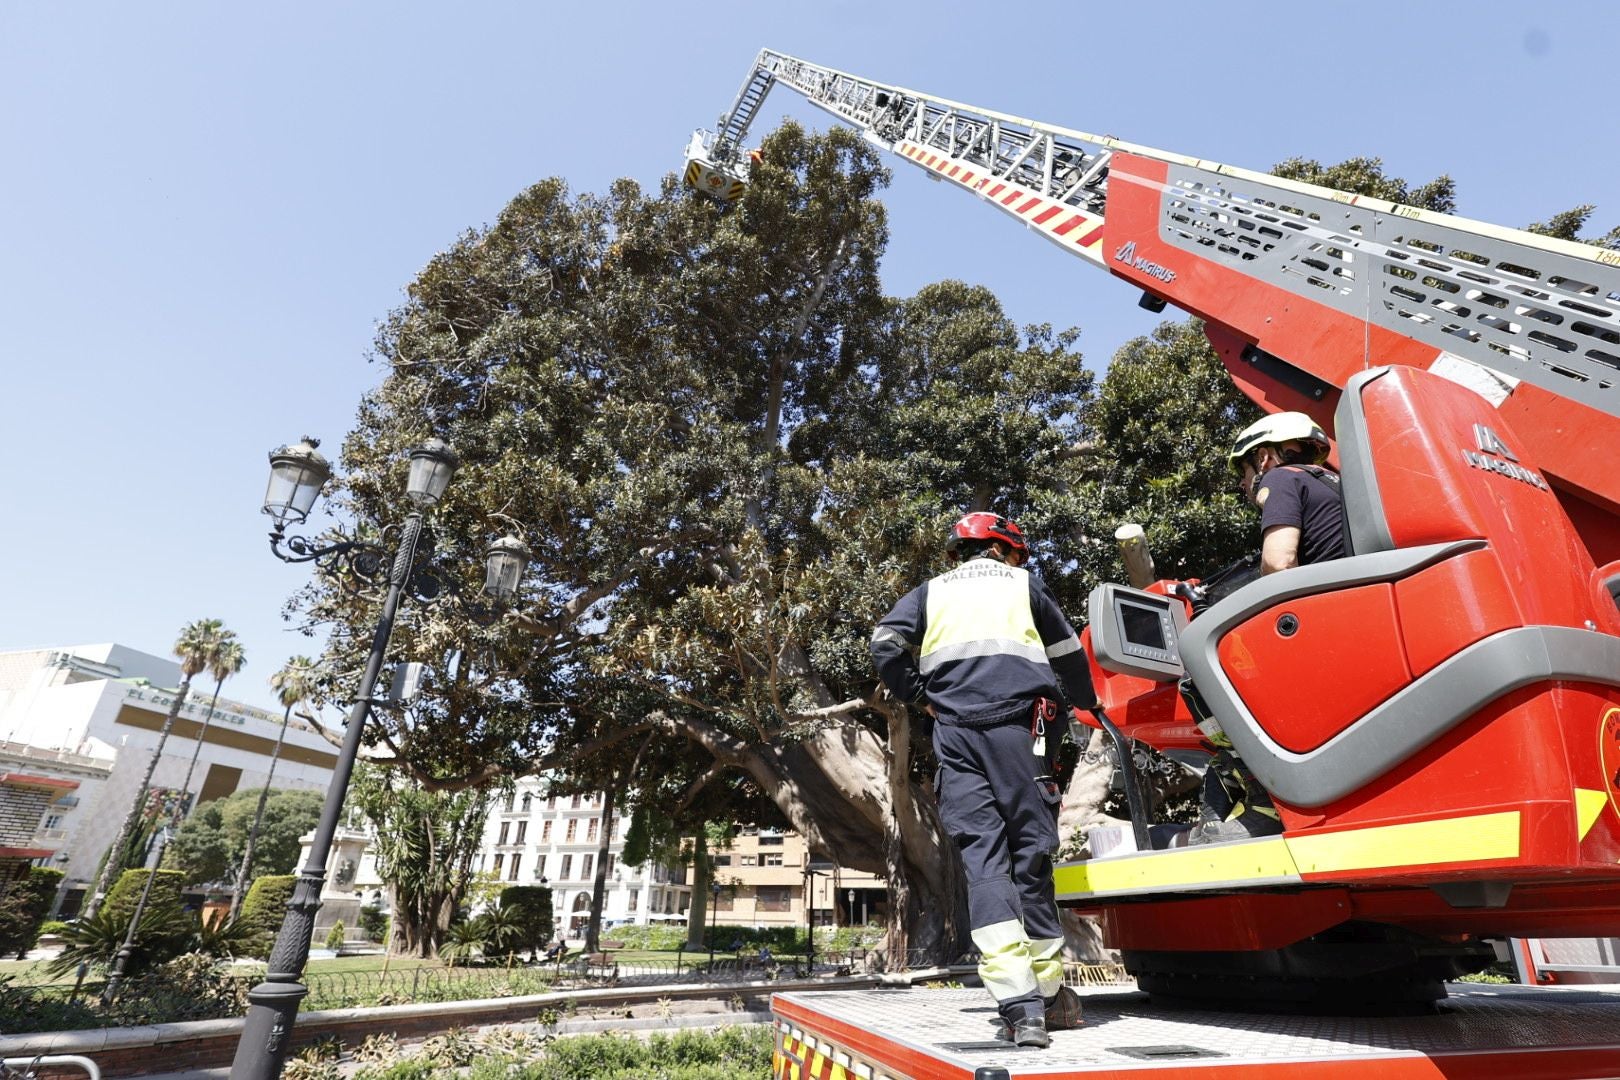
(1276, 429)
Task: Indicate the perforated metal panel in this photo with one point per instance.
(1520, 309)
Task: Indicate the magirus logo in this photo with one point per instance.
(1127, 255)
(1494, 456)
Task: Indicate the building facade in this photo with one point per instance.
(533, 838)
(764, 878)
(767, 877)
(98, 709)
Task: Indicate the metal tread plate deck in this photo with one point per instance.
(1506, 1031)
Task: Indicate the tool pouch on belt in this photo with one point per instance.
(1045, 737)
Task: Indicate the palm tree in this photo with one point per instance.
(227, 659)
(194, 649)
(294, 683)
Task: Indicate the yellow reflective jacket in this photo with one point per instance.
(980, 643)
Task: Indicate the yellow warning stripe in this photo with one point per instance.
(803, 1058)
(1417, 843)
(1252, 862)
(1281, 860)
(1588, 805)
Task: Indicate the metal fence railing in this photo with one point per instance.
(152, 999)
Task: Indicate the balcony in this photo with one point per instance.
(46, 836)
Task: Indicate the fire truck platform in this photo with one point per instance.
(949, 1034)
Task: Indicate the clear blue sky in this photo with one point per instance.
(206, 208)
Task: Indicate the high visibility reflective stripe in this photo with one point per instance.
(1045, 959)
(1004, 964)
(1063, 648)
(981, 601)
(888, 633)
(1278, 860)
(968, 649)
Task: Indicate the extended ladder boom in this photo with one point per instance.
(1300, 286)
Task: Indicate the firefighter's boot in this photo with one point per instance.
(1029, 1032)
(1063, 1010)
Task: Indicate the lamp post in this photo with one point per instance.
(714, 910)
(297, 474)
(812, 867)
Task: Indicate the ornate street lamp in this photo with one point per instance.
(432, 465)
(504, 563)
(297, 475)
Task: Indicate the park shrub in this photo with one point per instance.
(262, 911)
(374, 923)
(779, 939)
(846, 939)
(126, 893)
(23, 908)
(532, 906)
(664, 937)
(732, 1053)
(335, 936)
(52, 927)
(189, 987)
(413, 1068)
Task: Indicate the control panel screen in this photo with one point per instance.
(1134, 632)
(1143, 626)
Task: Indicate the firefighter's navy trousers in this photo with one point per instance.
(1004, 823)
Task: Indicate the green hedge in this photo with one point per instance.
(734, 1053)
(532, 904)
(23, 908)
(126, 893)
(779, 939)
(262, 911)
(656, 936)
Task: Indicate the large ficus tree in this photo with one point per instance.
(730, 453)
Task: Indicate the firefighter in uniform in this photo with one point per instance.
(1279, 459)
(984, 649)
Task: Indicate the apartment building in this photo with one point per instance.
(533, 838)
(766, 877)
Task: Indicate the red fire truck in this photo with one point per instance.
(1436, 716)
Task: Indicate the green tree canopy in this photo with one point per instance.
(208, 847)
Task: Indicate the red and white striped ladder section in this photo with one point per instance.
(1076, 231)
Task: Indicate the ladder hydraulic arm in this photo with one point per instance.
(1299, 286)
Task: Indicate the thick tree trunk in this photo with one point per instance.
(593, 929)
(702, 874)
(835, 788)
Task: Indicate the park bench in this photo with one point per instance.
(597, 965)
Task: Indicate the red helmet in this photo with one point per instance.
(986, 526)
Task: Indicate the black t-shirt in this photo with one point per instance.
(1309, 500)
